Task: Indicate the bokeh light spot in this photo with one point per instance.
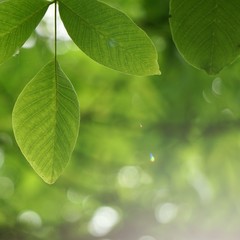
(30, 219)
(166, 213)
(201, 184)
(74, 197)
(70, 213)
(104, 219)
(6, 187)
(217, 86)
(1, 157)
(147, 238)
(129, 177)
(206, 97)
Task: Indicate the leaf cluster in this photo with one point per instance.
(46, 116)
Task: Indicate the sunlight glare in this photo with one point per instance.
(30, 43)
(46, 26)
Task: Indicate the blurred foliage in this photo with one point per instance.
(157, 158)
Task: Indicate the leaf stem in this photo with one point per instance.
(55, 30)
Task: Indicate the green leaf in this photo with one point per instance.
(207, 33)
(18, 19)
(109, 37)
(46, 122)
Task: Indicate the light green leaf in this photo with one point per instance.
(18, 19)
(109, 37)
(46, 122)
(206, 32)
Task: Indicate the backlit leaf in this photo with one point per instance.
(109, 37)
(18, 19)
(46, 122)
(207, 33)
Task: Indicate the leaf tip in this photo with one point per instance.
(49, 181)
(158, 72)
(210, 70)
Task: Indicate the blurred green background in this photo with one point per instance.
(156, 158)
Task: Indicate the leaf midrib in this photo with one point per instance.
(55, 115)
